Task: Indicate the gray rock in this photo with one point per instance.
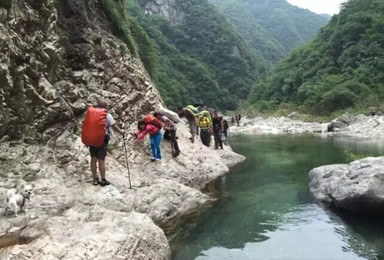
(166, 8)
(336, 125)
(358, 186)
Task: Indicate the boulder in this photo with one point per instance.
(357, 187)
(341, 122)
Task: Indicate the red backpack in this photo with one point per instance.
(94, 127)
(150, 119)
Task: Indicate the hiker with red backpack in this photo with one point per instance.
(96, 135)
(152, 126)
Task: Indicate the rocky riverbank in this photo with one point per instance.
(357, 186)
(69, 218)
(359, 126)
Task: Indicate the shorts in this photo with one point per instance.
(192, 127)
(99, 152)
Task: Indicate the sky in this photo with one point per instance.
(330, 7)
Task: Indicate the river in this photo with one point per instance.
(263, 209)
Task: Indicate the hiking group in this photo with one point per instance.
(97, 123)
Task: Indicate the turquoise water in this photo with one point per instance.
(264, 211)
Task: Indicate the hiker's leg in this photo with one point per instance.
(220, 142)
(102, 168)
(152, 141)
(93, 166)
(157, 146)
(204, 137)
(167, 135)
(193, 131)
(209, 139)
(174, 140)
(101, 154)
(216, 136)
(93, 153)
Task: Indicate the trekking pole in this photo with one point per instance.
(126, 160)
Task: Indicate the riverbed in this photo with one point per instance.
(263, 209)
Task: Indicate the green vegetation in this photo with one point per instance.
(200, 55)
(351, 156)
(342, 68)
(120, 23)
(272, 27)
(202, 58)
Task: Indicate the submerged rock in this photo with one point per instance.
(357, 187)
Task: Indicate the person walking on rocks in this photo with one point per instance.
(225, 132)
(190, 115)
(93, 124)
(218, 128)
(150, 126)
(170, 132)
(205, 124)
(237, 119)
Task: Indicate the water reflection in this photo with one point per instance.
(264, 210)
(292, 241)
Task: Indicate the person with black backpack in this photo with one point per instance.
(205, 123)
(218, 128)
(169, 133)
(226, 126)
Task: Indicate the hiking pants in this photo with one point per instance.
(171, 135)
(155, 145)
(205, 137)
(218, 141)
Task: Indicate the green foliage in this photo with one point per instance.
(202, 58)
(119, 22)
(341, 68)
(272, 28)
(351, 156)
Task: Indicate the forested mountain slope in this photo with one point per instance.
(194, 53)
(342, 67)
(272, 27)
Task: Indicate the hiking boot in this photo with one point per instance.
(158, 160)
(153, 159)
(176, 154)
(96, 181)
(104, 182)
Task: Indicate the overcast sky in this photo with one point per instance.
(319, 6)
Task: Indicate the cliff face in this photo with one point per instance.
(57, 58)
(166, 8)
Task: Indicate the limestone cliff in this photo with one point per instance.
(57, 58)
(166, 8)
